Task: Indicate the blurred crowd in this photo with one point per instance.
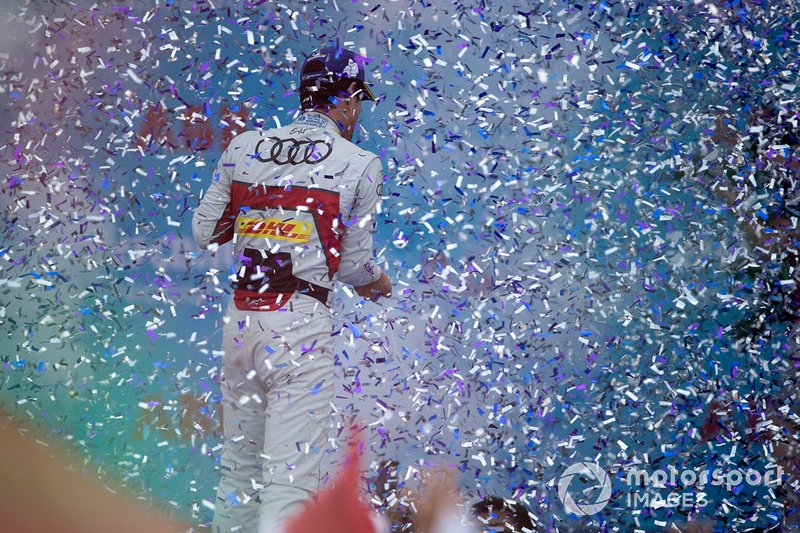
(751, 161)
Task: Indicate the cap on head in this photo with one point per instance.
(331, 64)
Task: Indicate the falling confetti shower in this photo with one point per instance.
(568, 284)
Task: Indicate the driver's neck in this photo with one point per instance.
(342, 121)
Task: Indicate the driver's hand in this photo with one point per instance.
(372, 291)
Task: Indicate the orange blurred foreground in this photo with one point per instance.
(41, 491)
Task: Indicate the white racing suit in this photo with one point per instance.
(299, 204)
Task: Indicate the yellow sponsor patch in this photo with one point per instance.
(275, 228)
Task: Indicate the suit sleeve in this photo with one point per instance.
(214, 220)
(357, 267)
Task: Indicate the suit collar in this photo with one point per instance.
(317, 120)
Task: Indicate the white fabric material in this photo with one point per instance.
(352, 174)
(304, 193)
(277, 388)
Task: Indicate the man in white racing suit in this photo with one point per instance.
(298, 202)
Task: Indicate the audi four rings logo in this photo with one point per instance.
(293, 152)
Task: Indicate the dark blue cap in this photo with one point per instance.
(330, 64)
